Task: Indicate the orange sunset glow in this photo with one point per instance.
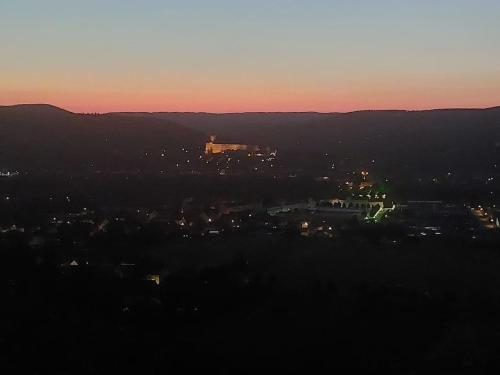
(324, 57)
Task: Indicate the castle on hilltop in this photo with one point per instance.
(218, 148)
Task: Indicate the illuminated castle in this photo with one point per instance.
(219, 148)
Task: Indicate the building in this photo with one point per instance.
(218, 148)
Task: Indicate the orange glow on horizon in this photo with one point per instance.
(269, 102)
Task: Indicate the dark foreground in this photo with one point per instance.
(255, 304)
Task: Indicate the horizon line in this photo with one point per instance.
(256, 112)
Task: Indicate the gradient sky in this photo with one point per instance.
(250, 55)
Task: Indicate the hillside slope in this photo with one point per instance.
(38, 137)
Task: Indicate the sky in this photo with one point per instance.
(250, 55)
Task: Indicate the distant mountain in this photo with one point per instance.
(44, 137)
(33, 110)
(463, 141)
(238, 127)
(425, 141)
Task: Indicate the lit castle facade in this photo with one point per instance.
(218, 148)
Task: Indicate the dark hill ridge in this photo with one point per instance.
(237, 127)
(262, 127)
(43, 137)
(434, 141)
(33, 108)
(416, 141)
(425, 141)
